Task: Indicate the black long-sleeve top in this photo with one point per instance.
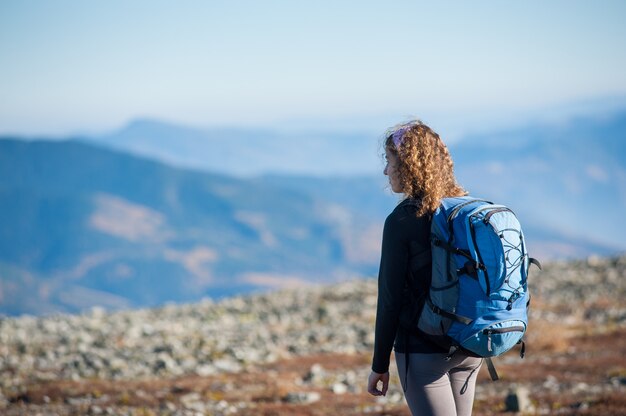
(406, 238)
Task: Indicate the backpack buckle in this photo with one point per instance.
(470, 268)
(451, 352)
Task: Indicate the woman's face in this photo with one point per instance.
(391, 170)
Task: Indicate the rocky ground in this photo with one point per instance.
(306, 352)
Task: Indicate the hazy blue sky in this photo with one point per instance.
(71, 66)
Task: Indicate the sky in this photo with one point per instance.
(87, 66)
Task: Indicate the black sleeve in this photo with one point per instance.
(394, 263)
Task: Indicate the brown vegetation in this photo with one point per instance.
(582, 358)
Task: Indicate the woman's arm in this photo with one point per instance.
(391, 283)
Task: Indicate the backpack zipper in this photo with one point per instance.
(489, 214)
(458, 207)
(489, 331)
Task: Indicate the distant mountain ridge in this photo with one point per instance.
(247, 152)
(82, 225)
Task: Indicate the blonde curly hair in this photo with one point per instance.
(425, 167)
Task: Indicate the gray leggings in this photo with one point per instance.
(438, 387)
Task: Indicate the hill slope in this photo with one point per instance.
(82, 225)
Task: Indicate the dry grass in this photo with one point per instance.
(549, 337)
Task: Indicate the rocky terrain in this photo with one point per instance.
(306, 352)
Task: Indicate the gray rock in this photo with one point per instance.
(315, 374)
(339, 388)
(302, 397)
(518, 400)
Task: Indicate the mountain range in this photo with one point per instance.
(107, 221)
(584, 159)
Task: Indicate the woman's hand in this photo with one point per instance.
(372, 383)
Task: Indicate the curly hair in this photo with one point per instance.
(425, 167)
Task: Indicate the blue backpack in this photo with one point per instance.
(478, 298)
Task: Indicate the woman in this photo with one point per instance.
(420, 167)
